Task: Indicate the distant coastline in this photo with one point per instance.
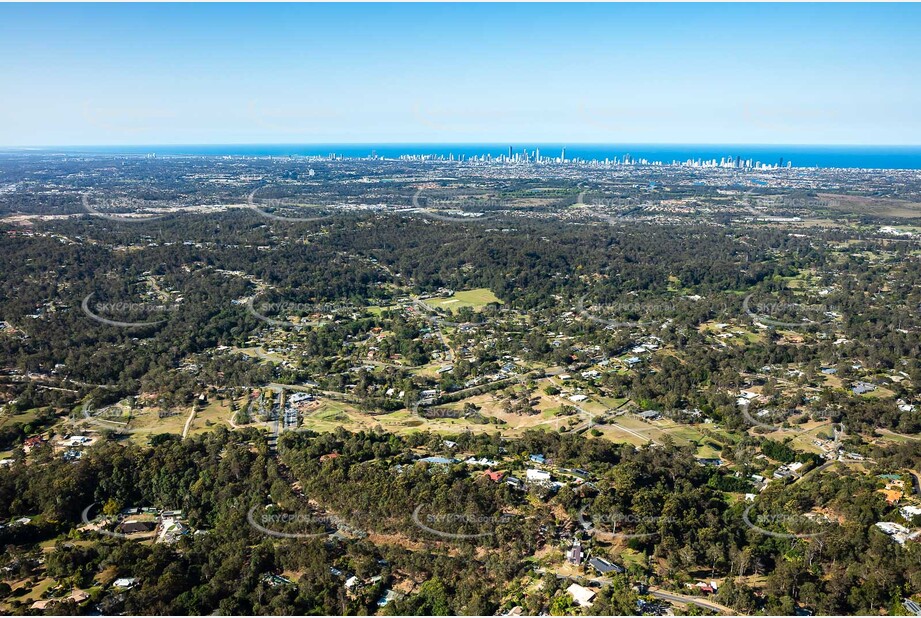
(801, 156)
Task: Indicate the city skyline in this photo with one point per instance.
(743, 156)
(264, 74)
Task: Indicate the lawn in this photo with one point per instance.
(684, 434)
(330, 414)
(475, 299)
(146, 422)
(612, 403)
(657, 430)
(515, 424)
(213, 414)
(803, 436)
(43, 585)
(24, 418)
(615, 434)
(708, 451)
(430, 370)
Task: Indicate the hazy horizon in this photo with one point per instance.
(797, 155)
(502, 143)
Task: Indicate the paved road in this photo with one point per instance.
(281, 410)
(661, 595)
(681, 598)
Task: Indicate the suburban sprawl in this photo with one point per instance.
(434, 385)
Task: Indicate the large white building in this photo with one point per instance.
(537, 476)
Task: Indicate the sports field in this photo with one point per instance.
(475, 299)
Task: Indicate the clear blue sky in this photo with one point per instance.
(194, 74)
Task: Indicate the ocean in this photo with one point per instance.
(867, 157)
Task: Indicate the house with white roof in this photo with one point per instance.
(581, 595)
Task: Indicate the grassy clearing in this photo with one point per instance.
(146, 422)
(616, 434)
(260, 353)
(475, 299)
(329, 415)
(24, 418)
(803, 436)
(211, 416)
(880, 207)
(36, 592)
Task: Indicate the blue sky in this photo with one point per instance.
(613, 73)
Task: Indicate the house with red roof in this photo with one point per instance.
(494, 476)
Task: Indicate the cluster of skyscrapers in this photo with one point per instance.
(535, 157)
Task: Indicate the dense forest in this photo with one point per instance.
(216, 479)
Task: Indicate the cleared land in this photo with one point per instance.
(855, 204)
(475, 299)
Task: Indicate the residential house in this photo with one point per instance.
(911, 607)
(581, 595)
(135, 527)
(897, 532)
(604, 566)
(494, 476)
(389, 595)
(574, 556)
(439, 460)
